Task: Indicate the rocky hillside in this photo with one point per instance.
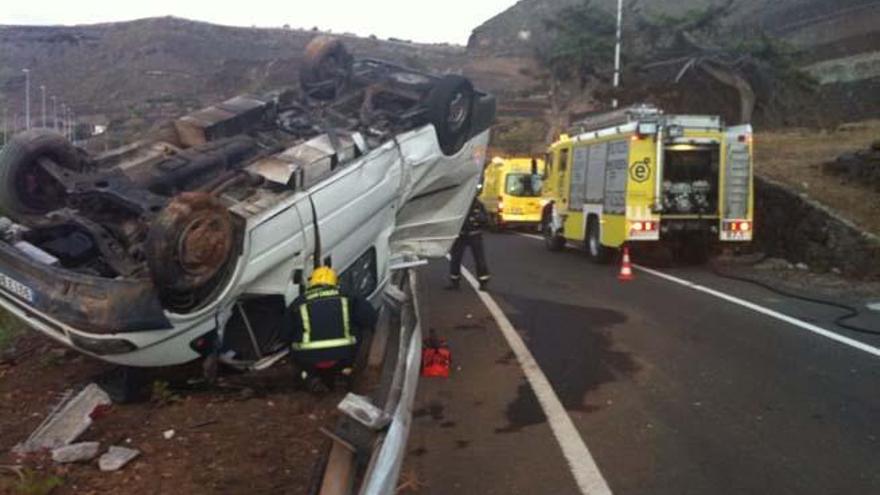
(146, 70)
(839, 41)
(133, 74)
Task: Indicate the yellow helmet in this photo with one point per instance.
(323, 275)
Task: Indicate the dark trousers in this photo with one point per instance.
(475, 242)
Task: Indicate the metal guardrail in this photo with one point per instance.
(371, 438)
(381, 477)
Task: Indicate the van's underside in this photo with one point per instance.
(111, 242)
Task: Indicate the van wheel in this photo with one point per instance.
(598, 253)
(189, 246)
(26, 188)
(552, 240)
(326, 69)
(450, 106)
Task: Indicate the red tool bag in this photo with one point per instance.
(436, 358)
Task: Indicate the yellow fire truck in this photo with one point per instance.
(638, 175)
(511, 191)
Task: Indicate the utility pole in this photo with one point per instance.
(4, 126)
(617, 50)
(27, 98)
(55, 113)
(43, 106)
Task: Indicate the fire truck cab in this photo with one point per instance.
(639, 175)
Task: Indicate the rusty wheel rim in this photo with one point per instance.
(204, 244)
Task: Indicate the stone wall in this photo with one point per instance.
(792, 226)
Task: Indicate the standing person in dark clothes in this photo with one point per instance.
(326, 328)
(471, 235)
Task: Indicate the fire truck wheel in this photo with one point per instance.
(26, 188)
(552, 240)
(597, 252)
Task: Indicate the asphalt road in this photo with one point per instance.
(673, 391)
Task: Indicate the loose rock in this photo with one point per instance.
(77, 452)
(117, 457)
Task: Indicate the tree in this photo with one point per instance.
(581, 43)
(664, 55)
(577, 50)
(761, 69)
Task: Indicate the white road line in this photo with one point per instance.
(580, 461)
(754, 307)
(766, 311)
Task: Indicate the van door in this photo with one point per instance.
(736, 194)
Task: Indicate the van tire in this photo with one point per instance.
(450, 107)
(19, 168)
(598, 253)
(327, 67)
(189, 247)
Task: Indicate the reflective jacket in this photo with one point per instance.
(324, 318)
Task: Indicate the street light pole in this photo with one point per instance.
(617, 50)
(43, 105)
(55, 113)
(27, 98)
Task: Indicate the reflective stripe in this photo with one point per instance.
(307, 323)
(325, 344)
(306, 344)
(346, 324)
(321, 293)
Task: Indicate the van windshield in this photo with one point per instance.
(523, 185)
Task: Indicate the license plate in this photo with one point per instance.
(516, 211)
(17, 288)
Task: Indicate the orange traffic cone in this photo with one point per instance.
(626, 271)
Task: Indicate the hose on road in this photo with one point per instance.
(841, 321)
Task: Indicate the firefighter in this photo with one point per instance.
(471, 235)
(326, 329)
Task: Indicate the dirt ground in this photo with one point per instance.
(795, 156)
(253, 434)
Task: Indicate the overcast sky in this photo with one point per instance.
(418, 20)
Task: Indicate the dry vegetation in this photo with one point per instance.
(795, 157)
